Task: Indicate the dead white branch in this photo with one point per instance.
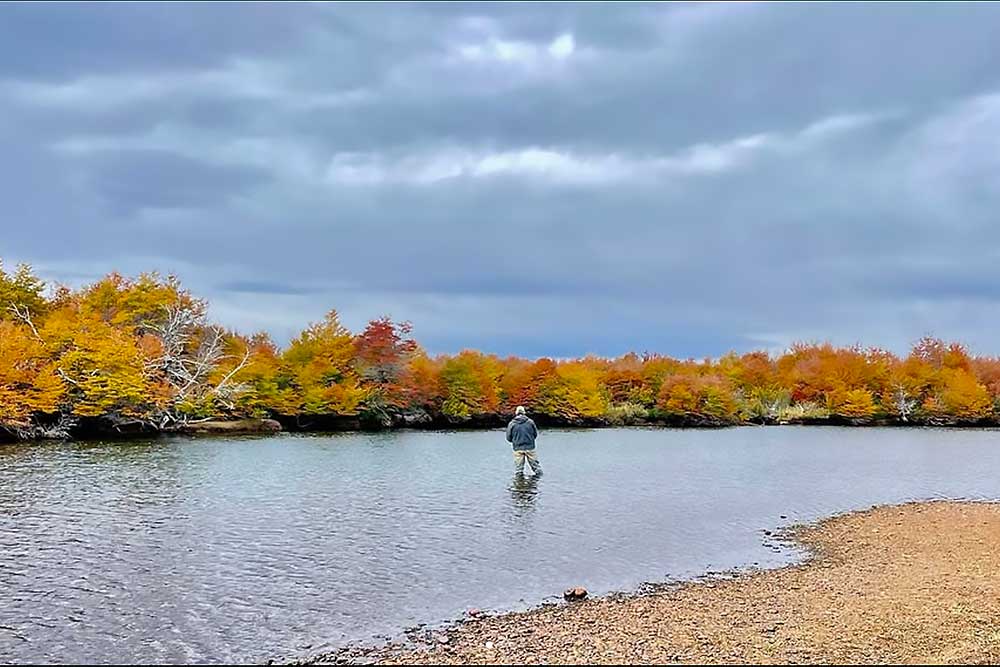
(191, 352)
(23, 314)
(903, 402)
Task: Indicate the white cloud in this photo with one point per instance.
(290, 159)
(843, 123)
(518, 52)
(566, 166)
(552, 165)
(711, 158)
(559, 165)
(562, 46)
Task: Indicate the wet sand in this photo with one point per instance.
(917, 583)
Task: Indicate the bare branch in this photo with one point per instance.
(904, 404)
(191, 352)
(25, 316)
(65, 376)
(236, 369)
(34, 431)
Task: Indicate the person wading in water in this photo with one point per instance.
(521, 434)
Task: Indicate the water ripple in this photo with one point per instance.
(245, 549)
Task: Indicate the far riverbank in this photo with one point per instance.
(101, 429)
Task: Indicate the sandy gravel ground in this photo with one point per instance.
(917, 583)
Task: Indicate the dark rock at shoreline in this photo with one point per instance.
(106, 428)
(87, 428)
(415, 418)
(574, 594)
(320, 423)
(233, 426)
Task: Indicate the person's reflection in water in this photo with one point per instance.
(523, 493)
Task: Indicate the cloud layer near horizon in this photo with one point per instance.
(533, 179)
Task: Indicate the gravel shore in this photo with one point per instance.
(917, 583)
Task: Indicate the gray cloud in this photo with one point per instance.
(134, 179)
(534, 179)
(66, 40)
(264, 287)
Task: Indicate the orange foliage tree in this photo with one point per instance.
(697, 398)
(382, 353)
(143, 350)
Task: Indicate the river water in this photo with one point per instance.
(245, 549)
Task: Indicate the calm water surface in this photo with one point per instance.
(218, 550)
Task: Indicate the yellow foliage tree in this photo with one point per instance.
(29, 383)
(318, 367)
(138, 302)
(21, 291)
(470, 382)
(573, 391)
(851, 403)
(960, 396)
(104, 368)
(256, 387)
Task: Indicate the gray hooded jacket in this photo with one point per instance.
(521, 433)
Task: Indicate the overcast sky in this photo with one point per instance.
(527, 179)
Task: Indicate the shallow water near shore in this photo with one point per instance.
(245, 549)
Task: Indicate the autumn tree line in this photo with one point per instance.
(139, 355)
